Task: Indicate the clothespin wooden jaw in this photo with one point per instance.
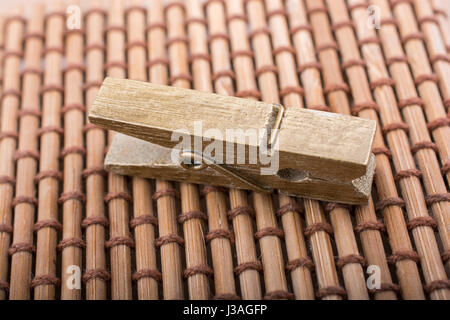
(243, 143)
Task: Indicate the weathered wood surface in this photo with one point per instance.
(324, 154)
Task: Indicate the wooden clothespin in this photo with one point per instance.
(204, 138)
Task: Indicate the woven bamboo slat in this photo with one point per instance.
(133, 238)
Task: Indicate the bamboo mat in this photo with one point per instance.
(63, 218)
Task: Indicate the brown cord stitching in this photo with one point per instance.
(233, 213)
(163, 240)
(69, 32)
(357, 108)
(394, 3)
(147, 273)
(272, 13)
(259, 31)
(208, 188)
(89, 221)
(4, 286)
(248, 93)
(342, 24)
(6, 228)
(442, 12)
(296, 29)
(48, 174)
(381, 82)
(194, 214)
(226, 296)
(438, 197)
(165, 193)
(353, 63)
(264, 69)
(119, 241)
(349, 259)
(382, 150)
(427, 19)
(309, 65)
(163, 61)
(269, 231)
(395, 126)
(282, 49)
(21, 154)
(208, 2)
(426, 77)
(173, 40)
(143, 219)
(199, 56)
(12, 53)
(289, 207)
(403, 103)
(437, 285)
(446, 167)
(236, 17)
(315, 227)
(14, 18)
(71, 242)
(71, 150)
(425, 221)
(142, 9)
(333, 87)
(445, 256)
(96, 274)
(388, 202)
(49, 50)
(21, 247)
(73, 106)
(389, 21)
(130, 45)
(200, 20)
(357, 6)
(49, 129)
(94, 170)
(386, 287)
(370, 225)
(215, 36)
(279, 295)
(71, 195)
(90, 126)
(291, 89)
(74, 66)
(115, 28)
(6, 179)
(239, 53)
(408, 173)
(94, 11)
(201, 269)
(117, 195)
(36, 71)
(181, 76)
(45, 280)
(440, 57)
(50, 223)
(160, 25)
(331, 291)
(94, 46)
(298, 263)
(320, 9)
(24, 199)
(115, 64)
(332, 45)
(424, 145)
(223, 73)
(333, 206)
(438, 123)
(11, 92)
(403, 255)
(91, 84)
(447, 103)
(252, 265)
(399, 59)
(414, 36)
(219, 233)
(370, 40)
(320, 108)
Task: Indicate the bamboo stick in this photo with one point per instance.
(27, 157)
(240, 212)
(300, 264)
(120, 242)
(146, 275)
(350, 260)
(421, 68)
(2, 48)
(420, 138)
(197, 269)
(14, 27)
(219, 235)
(72, 197)
(49, 176)
(95, 222)
(419, 220)
(440, 12)
(268, 232)
(169, 240)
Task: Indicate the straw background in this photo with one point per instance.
(62, 216)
